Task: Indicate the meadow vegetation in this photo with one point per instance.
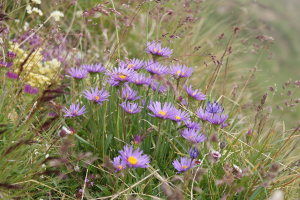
(142, 100)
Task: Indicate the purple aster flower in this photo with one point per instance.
(74, 110)
(184, 164)
(11, 54)
(156, 86)
(203, 115)
(96, 95)
(180, 71)
(77, 73)
(214, 107)
(140, 79)
(113, 82)
(161, 111)
(134, 157)
(193, 152)
(5, 64)
(120, 74)
(155, 48)
(118, 163)
(196, 94)
(131, 108)
(94, 68)
(134, 64)
(193, 135)
(192, 125)
(249, 132)
(2, 64)
(137, 139)
(30, 90)
(179, 115)
(156, 68)
(129, 94)
(12, 75)
(217, 119)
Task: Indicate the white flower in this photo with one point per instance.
(28, 9)
(38, 11)
(36, 1)
(79, 13)
(76, 168)
(57, 15)
(277, 195)
(26, 26)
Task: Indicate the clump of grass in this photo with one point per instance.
(109, 127)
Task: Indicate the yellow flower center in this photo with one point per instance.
(122, 76)
(156, 50)
(130, 110)
(130, 66)
(137, 81)
(132, 160)
(178, 117)
(120, 166)
(97, 98)
(184, 166)
(178, 72)
(163, 113)
(194, 93)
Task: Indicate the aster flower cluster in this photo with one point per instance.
(128, 79)
(167, 111)
(94, 95)
(191, 133)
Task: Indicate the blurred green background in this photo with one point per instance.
(278, 67)
(280, 20)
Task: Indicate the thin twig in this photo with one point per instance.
(84, 184)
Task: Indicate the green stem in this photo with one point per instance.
(158, 140)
